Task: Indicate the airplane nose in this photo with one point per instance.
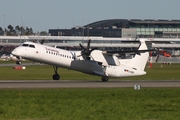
(14, 52)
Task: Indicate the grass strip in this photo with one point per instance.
(45, 72)
(96, 104)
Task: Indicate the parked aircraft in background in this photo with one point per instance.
(4, 57)
(8, 57)
(91, 61)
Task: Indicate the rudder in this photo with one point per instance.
(139, 61)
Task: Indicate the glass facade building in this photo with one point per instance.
(125, 28)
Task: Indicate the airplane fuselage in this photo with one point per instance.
(72, 60)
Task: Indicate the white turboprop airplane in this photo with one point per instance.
(91, 61)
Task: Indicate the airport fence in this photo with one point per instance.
(162, 59)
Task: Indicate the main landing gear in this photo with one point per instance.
(56, 76)
(105, 78)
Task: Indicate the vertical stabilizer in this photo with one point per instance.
(139, 61)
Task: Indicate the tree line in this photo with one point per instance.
(18, 30)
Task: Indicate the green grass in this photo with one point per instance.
(90, 104)
(45, 72)
(160, 72)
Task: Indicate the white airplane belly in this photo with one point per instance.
(89, 67)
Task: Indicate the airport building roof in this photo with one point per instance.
(125, 28)
(121, 22)
(73, 41)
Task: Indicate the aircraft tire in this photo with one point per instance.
(104, 78)
(18, 62)
(56, 77)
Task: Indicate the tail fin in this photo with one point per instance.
(139, 61)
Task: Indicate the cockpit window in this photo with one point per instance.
(32, 46)
(25, 45)
(28, 45)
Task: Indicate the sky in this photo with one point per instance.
(42, 15)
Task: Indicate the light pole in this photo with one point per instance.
(22, 25)
(4, 24)
(73, 21)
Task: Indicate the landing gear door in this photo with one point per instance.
(41, 50)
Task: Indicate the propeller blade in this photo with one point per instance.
(88, 45)
(86, 51)
(81, 46)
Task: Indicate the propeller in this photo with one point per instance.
(86, 51)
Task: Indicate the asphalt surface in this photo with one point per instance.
(30, 84)
(24, 64)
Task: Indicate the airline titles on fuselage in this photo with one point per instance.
(52, 50)
(56, 52)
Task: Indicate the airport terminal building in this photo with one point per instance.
(106, 35)
(124, 28)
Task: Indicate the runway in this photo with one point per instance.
(24, 64)
(30, 84)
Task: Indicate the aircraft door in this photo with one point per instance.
(39, 52)
(34, 51)
(111, 70)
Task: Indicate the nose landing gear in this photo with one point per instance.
(18, 62)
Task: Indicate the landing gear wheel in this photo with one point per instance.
(18, 62)
(105, 78)
(56, 77)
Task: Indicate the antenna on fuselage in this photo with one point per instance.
(42, 41)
